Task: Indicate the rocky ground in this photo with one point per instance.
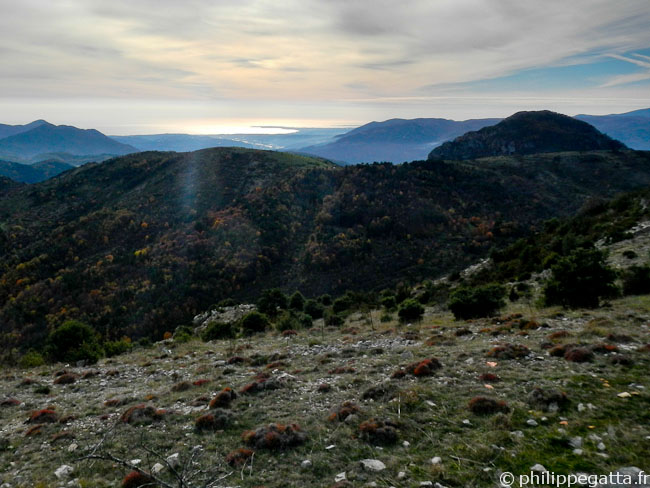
(359, 405)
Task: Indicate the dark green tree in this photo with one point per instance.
(254, 322)
(580, 279)
(410, 309)
(297, 301)
(480, 301)
(271, 302)
(74, 341)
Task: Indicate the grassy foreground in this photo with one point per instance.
(602, 424)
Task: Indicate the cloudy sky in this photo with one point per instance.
(203, 66)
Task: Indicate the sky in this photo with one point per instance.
(218, 66)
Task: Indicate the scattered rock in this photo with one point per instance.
(374, 465)
(64, 471)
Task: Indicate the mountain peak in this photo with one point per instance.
(527, 133)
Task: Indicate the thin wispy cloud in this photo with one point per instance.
(638, 60)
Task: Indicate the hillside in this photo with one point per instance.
(348, 392)
(47, 138)
(395, 140)
(139, 244)
(527, 133)
(32, 173)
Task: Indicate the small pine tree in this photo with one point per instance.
(254, 322)
(580, 279)
(74, 341)
(472, 302)
(297, 302)
(410, 309)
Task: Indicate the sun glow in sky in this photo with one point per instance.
(198, 66)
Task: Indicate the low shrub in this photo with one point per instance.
(217, 419)
(238, 457)
(223, 399)
(487, 406)
(137, 479)
(45, 416)
(509, 351)
(578, 354)
(31, 359)
(275, 437)
(548, 400)
(142, 414)
(378, 431)
(65, 379)
(115, 348)
(343, 411)
(181, 386)
(489, 378)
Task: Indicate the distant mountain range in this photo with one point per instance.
(41, 140)
(527, 133)
(395, 140)
(400, 140)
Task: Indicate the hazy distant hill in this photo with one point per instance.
(189, 142)
(631, 128)
(48, 138)
(32, 173)
(395, 140)
(140, 243)
(527, 133)
(12, 130)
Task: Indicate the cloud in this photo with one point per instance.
(303, 50)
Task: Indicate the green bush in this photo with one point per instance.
(342, 304)
(385, 317)
(388, 302)
(314, 308)
(636, 280)
(410, 309)
(74, 341)
(218, 330)
(183, 334)
(115, 348)
(580, 279)
(254, 322)
(332, 318)
(472, 302)
(31, 359)
(287, 321)
(271, 302)
(325, 300)
(297, 302)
